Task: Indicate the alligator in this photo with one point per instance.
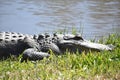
(37, 47)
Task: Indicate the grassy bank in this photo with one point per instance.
(90, 66)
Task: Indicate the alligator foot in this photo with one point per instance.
(33, 54)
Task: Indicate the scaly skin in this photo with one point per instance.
(37, 47)
(16, 43)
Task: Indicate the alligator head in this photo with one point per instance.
(59, 43)
(75, 43)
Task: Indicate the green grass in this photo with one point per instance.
(91, 66)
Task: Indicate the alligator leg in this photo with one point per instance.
(33, 54)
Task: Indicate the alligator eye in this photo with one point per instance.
(78, 38)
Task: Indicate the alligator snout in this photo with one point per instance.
(84, 45)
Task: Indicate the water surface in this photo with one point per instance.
(94, 18)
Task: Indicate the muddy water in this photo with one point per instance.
(93, 18)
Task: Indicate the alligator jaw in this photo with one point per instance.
(94, 46)
(85, 45)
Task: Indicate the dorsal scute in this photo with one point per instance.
(41, 36)
(12, 36)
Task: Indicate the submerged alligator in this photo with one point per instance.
(38, 46)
